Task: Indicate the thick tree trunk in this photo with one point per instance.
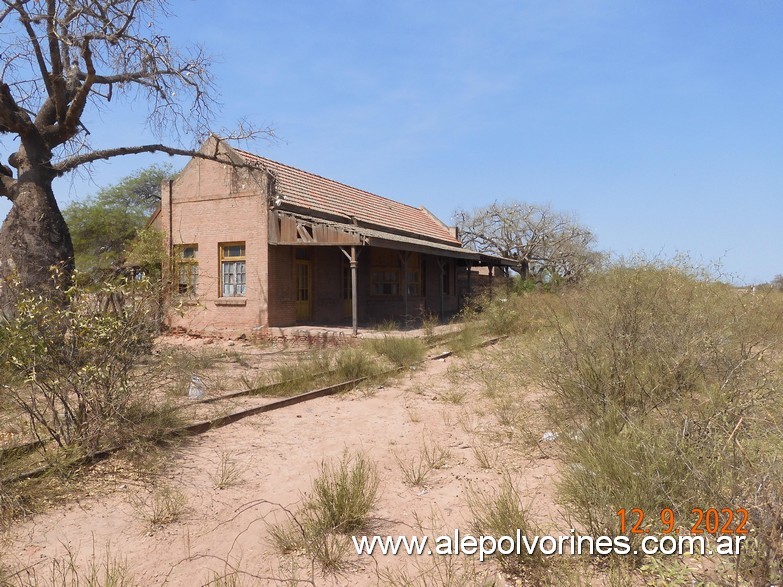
(524, 269)
(34, 240)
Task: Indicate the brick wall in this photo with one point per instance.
(282, 286)
(213, 203)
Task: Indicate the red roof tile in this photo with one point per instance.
(313, 192)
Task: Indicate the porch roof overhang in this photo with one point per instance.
(496, 260)
(287, 228)
(377, 238)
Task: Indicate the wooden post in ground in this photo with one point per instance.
(353, 262)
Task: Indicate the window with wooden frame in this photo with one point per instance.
(186, 269)
(385, 273)
(414, 275)
(448, 278)
(233, 276)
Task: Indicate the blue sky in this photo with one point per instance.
(658, 124)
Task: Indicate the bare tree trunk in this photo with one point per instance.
(33, 239)
(524, 269)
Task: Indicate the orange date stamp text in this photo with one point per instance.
(709, 521)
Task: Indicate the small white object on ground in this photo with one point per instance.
(196, 388)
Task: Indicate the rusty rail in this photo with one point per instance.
(204, 426)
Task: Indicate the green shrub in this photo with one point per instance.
(667, 393)
(609, 470)
(147, 421)
(227, 473)
(70, 359)
(401, 351)
(344, 494)
(466, 340)
(428, 324)
(502, 316)
(501, 513)
(632, 339)
(354, 363)
(342, 498)
(165, 505)
(107, 571)
(388, 325)
(415, 471)
(301, 374)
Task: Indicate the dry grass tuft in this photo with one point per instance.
(227, 472)
(340, 504)
(164, 505)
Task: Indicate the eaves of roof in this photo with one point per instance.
(388, 240)
(385, 239)
(487, 259)
(305, 192)
(392, 241)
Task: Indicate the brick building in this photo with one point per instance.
(259, 244)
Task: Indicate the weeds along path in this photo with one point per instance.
(221, 410)
(209, 512)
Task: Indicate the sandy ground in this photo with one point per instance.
(277, 456)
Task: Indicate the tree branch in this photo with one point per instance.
(75, 110)
(72, 163)
(12, 117)
(134, 76)
(5, 12)
(24, 18)
(57, 80)
(128, 20)
(47, 114)
(7, 183)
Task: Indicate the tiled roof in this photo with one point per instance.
(320, 195)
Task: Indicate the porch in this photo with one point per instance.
(330, 273)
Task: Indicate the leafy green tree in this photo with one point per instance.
(147, 253)
(105, 227)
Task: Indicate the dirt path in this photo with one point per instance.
(276, 456)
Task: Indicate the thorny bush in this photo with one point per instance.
(668, 393)
(69, 360)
